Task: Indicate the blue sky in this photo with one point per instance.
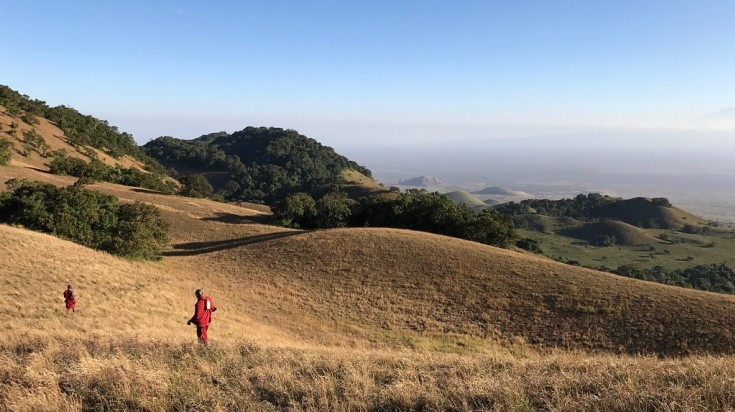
(347, 72)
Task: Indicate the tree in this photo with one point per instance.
(140, 232)
(297, 210)
(84, 216)
(333, 210)
(5, 153)
(195, 185)
(435, 213)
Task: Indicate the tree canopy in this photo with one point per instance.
(257, 163)
(86, 217)
(415, 210)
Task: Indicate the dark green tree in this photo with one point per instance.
(333, 210)
(195, 185)
(297, 211)
(84, 216)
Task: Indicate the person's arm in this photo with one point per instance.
(193, 318)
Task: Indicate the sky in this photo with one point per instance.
(349, 73)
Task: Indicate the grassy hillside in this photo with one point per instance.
(49, 142)
(644, 212)
(382, 284)
(350, 319)
(630, 237)
(462, 197)
(615, 231)
(79, 130)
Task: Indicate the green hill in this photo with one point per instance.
(611, 232)
(494, 190)
(462, 197)
(256, 163)
(645, 212)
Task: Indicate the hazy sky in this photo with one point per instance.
(346, 71)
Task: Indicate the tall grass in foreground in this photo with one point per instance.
(82, 374)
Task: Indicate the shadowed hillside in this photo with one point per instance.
(644, 212)
(615, 231)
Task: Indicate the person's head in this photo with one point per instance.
(198, 293)
(68, 287)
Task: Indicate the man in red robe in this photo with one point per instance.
(202, 315)
(71, 302)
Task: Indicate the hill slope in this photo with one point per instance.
(614, 230)
(460, 196)
(381, 287)
(644, 212)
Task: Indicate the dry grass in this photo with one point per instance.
(352, 319)
(86, 374)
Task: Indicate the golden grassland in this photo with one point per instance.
(87, 374)
(291, 342)
(344, 320)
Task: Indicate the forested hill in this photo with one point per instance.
(79, 129)
(256, 163)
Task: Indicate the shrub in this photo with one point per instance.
(5, 153)
(532, 245)
(86, 217)
(195, 185)
(296, 211)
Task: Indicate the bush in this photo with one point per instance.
(86, 217)
(529, 244)
(5, 153)
(297, 210)
(195, 185)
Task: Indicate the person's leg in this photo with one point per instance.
(204, 338)
(199, 333)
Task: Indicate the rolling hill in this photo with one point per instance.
(644, 212)
(614, 231)
(462, 197)
(495, 190)
(341, 319)
(338, 279)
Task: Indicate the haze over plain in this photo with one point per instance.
(627, 98)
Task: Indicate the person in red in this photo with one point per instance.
(202, 315)
(71, 302)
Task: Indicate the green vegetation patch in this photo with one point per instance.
(5, 153)
(414, 209)
(90, 218)
(261, 163)
(97, 170)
